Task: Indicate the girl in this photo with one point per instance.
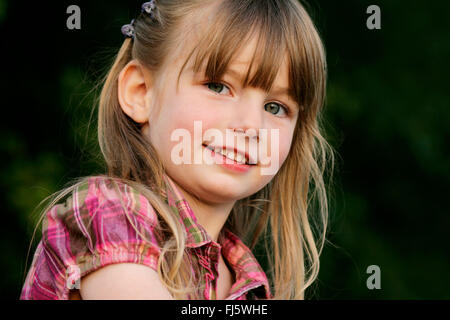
(155, 228)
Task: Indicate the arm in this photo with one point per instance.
(123, 281)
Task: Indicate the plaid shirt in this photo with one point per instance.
(90, 230)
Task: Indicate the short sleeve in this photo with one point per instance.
(103, 222)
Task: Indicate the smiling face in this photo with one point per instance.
(225, 106)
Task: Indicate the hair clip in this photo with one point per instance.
(148, 8)
(128, 29)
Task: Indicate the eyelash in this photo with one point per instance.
(287, 110)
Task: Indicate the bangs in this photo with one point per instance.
(282, 29)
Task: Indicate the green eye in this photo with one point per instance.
(275, 108)
(216, 86)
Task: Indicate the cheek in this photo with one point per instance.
(282, 145)
(181, 112)
(187, 108)
(285, 146)
(192, 115)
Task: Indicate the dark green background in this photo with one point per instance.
(387, 112)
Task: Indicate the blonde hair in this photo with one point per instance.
(292, 210)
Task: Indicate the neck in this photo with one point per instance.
(211, 216)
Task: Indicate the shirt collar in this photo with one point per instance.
(196, 234)
(247, 270)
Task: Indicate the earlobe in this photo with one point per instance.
(133, 88)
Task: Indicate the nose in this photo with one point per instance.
(248, 116)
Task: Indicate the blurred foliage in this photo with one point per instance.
(386, 114)
(2, 10)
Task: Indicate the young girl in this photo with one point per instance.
(155, 228)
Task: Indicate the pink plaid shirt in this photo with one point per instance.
(90, 230)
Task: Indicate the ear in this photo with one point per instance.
(134, 86)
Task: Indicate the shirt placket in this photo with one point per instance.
(208, 259)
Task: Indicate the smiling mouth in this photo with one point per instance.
(232, 155)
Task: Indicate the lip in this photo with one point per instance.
(235, 166)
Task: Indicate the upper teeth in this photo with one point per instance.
(239, 158)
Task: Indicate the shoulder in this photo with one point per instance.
(102, 197)
(102, 221)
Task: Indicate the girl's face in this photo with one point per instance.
(224, 106)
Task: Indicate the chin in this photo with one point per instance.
(225, 189)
